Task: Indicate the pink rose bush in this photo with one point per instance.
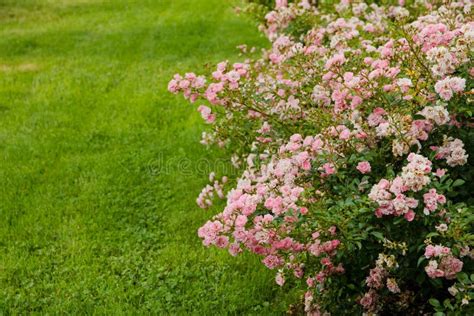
(353, 135)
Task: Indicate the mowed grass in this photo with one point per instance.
(99, 163)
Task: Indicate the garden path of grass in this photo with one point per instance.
(90, 220)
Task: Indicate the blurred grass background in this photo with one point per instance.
(90, 221)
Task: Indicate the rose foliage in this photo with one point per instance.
(354, 136)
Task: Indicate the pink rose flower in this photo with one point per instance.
(364, 167)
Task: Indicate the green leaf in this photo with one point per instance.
(378, 235)
(458, 183)
(431, 235)
(420, 260)
(437, 283)
(434, 302)
(420, 278)
(447, 303)
(462, 276)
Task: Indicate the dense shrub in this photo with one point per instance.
(354, 136)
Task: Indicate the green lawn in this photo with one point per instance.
(99, 163)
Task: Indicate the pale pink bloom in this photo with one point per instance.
(199, 82)
(356, 101)
(280, 279)
(326, 261)
(397, 186)
(388, 87)
(392, 285)
(363, 167)
(410, 215)
(433, 271)
(450, 266)
(453, 151)
(332, 230)
(281, 3)
(298, 272)
(265, 128)
(384, 129)
(369, 300)
(448, 86)
(437, 114)
(233, 76)
(414, 174)
(234, 249)
(183, 84)
(442, 227)
(379, 192)
(303, 160)
(222, 241)
(432, 35)
(296, 138)
(345, 134)
(241, 220)
(173, 86)
(404, 84)
(376, 277)
(431, 200)
(272, 261)
(440, 172)
(436, 251)
(453, 290)
(328, 169)
(337, 59)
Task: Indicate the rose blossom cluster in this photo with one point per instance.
(387, 113)
(278, 19)
(187, 85)
(453, 151)
(449, 86)
(390, 195)
(378, 278)
(206, 196)
(442, 264)
(207, 114)
(431, 200)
